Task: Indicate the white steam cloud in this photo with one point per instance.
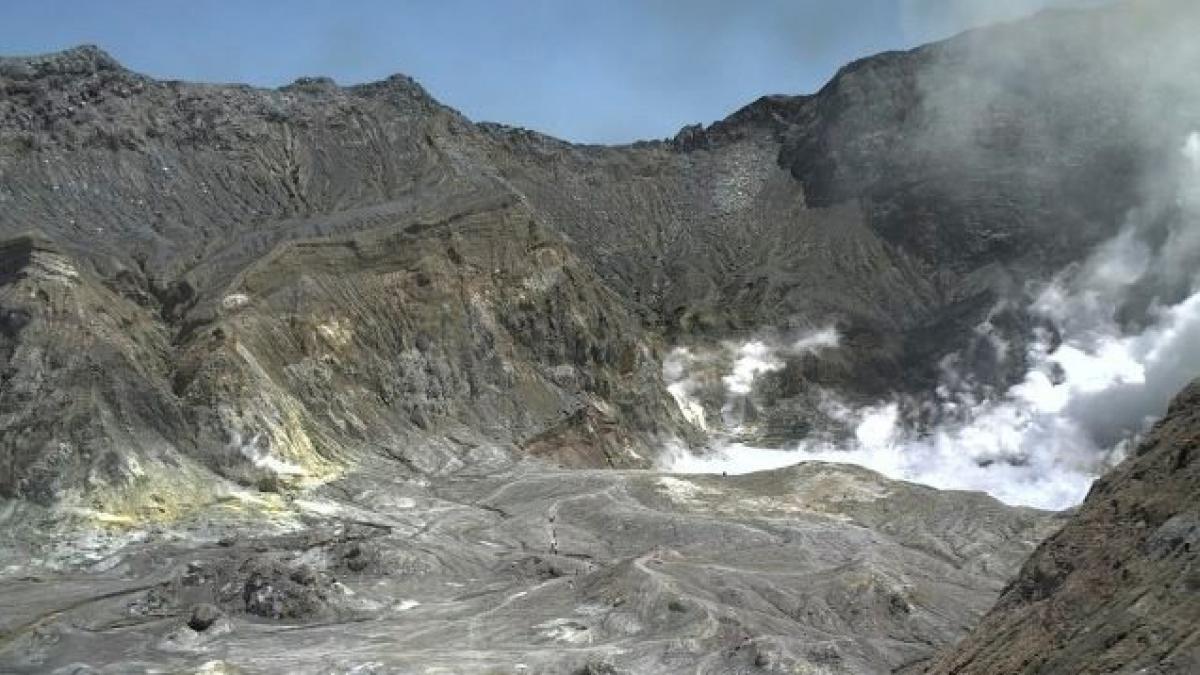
(926, 19)
(729, 372)
(753, 358)
(1128, 322)
(683, 385)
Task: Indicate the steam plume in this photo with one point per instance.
(1126, 337)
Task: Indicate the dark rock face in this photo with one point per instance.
(913, 195)
(482, 329)
(85, 392)
(265, 283)
(1116, 590)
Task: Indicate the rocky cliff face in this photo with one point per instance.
(268, 284)
(1116, 588)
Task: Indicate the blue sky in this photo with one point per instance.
(602, 71)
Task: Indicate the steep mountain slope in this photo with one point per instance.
(286, 280)
(428, 340)
(904, 203)
(911, 200)
(1117, 588)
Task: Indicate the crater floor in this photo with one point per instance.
(523, 569)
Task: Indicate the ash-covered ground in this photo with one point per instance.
(511, 569)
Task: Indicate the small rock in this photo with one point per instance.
(203, 616)
(304, 575)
